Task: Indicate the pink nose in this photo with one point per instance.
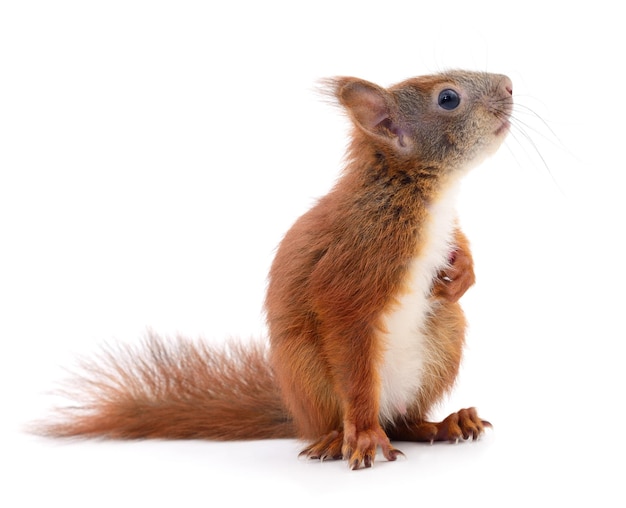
(507, 84)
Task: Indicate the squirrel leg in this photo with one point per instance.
(352, 365)
(464, 424)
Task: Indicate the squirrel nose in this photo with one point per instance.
(507, 85)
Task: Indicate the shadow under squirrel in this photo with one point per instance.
(365, 329)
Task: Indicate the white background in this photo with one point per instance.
(152, 155)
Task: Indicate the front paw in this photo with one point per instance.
(453, 281)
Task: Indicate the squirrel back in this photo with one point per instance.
(365, 329)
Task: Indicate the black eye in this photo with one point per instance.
(449, 99)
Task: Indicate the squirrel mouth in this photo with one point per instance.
(504, 128)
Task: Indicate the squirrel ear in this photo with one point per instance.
(373, 109)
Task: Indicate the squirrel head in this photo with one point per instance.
(451, 120)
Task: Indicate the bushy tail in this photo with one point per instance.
(176, 389)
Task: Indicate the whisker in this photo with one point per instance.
(519, 130)
(523, 109)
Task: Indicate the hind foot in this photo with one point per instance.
(326, 448)
(357, 447)
(464, 424)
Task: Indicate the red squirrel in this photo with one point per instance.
(365, 329)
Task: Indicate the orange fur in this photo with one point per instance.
(339, 272)
(175, 389)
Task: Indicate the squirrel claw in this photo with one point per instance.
(360, 447)
(464, 424)
(328, 447)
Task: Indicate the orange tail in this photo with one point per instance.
(174, 389)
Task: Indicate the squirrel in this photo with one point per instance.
(365, 329)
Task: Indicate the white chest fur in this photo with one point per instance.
(403, 364)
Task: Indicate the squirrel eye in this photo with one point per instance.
(449, 99)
